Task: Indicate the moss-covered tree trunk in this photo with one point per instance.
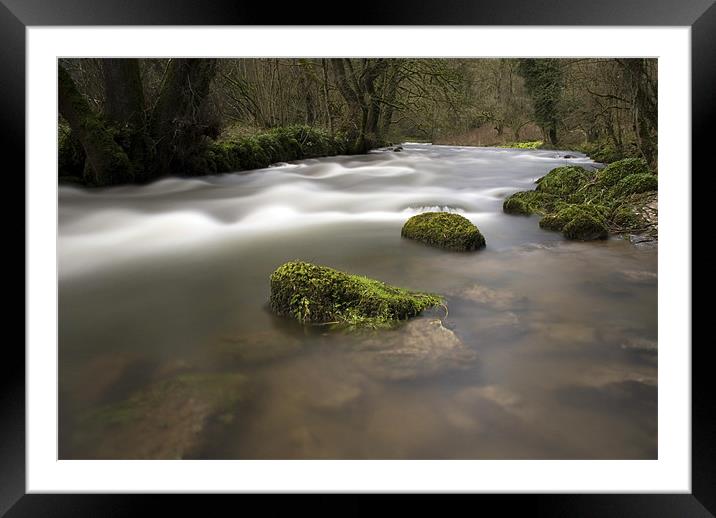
(644, 107)
(177, 125)
(124, 108)
(358, 89)
(107, 162)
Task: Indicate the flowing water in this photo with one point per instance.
(167, 349)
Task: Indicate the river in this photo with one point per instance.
(167, 349)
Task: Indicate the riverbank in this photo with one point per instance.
(236, 153)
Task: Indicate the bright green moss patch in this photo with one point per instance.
(312, 293)
(444, 230)
(613, 173)
(529, 202)
(563, 181)
(533, 144)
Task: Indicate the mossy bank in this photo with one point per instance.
(234, 153)
(315, 294)
(587, 205)
(444, 230)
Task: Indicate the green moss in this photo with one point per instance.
(529, 202)
(563, 181)
(614, 173)
(626, 218)
(534, 144)
(585, 227)
(444, 230)
(582, 213)
(312, 293)
(269, 147)
(634, 184)
(604, 151)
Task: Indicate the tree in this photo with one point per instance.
(128, 143)
(544, 82)
(357, 84)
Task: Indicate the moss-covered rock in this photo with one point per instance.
(634, 184)
(615, 172)
(585, 227)
(263, 149)
(626, 218)
(563, 181)
(529, 202)
(312, 293)
(587, 205)
(444, 230)
(559, 219)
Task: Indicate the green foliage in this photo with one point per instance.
(545, 82)
(312, 293)
(272, 146)
(444, 230)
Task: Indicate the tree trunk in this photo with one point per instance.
(124, 108)
(176, 123)
(329, 117)
(107, 163)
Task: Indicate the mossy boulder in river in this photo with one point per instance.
(559, 219)
(444, 230)
(635, 184)
(563, 181)
(529, 202)
(585, 227)
(613, 173)
(589, 205)
(312, 293)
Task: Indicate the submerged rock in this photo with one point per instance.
(256, 347)
(444, 230)
(311, 293)
(498, 299)
(165, 420)
(422, 347)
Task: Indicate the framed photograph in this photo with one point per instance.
(273, 252)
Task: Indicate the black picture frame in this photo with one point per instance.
(17, 15)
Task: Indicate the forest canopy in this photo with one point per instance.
(136, 120)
